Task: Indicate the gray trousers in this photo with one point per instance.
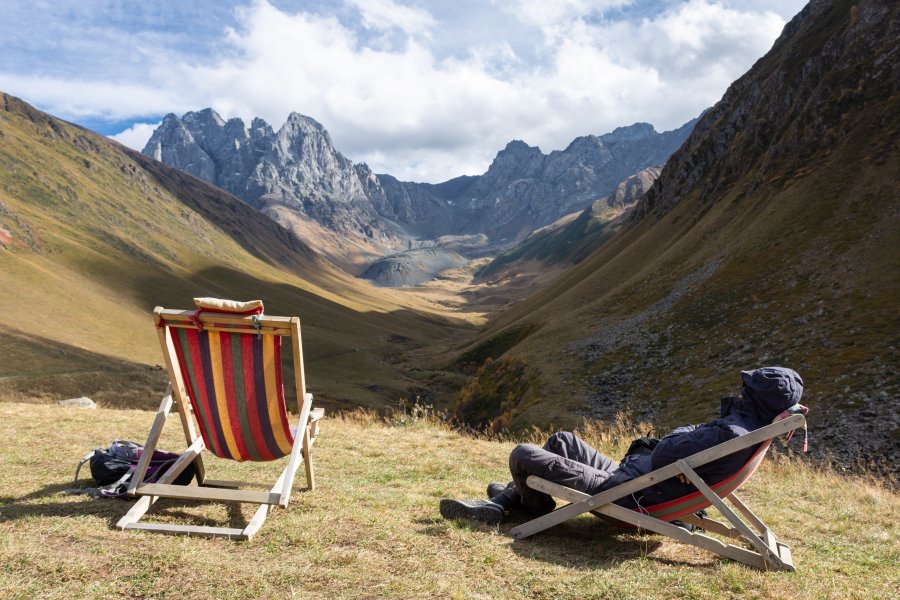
(565, 459)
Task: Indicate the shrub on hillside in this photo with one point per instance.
(497, 392)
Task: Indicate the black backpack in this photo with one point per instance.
(113, 467)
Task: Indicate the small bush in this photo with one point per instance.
(497, 392)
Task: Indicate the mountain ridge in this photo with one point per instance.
(296, 176)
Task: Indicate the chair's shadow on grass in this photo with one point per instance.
(52, 500)
(585, 545)
(582, 544)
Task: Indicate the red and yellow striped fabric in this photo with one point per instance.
(234, 383)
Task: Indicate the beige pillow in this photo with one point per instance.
(250, 307)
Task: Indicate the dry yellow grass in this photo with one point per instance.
(371, 529)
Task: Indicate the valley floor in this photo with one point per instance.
(371, 529)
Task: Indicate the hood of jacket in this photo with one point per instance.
(771, 390)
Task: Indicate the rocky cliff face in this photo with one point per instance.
(833, 58)
(297, 176)
(570, 239)
(292, 172)
(524, 189)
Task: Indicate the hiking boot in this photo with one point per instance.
(686, 526)
(495, 488)
(484, 511)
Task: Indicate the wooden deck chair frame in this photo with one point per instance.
(177, 395)
(767, 552)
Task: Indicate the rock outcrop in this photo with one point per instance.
(789, 109)
(570, 239)
(295, 168)
(412, 267)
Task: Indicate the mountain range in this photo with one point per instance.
(354, 216)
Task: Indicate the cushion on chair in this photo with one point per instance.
(235, 307)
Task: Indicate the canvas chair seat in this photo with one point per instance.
(224, 363)
(767, 552)
(694, 502)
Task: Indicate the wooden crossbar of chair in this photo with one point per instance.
(767, 551)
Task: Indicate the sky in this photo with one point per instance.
(422, 90)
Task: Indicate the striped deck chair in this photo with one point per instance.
(224, 364)
(767, 552)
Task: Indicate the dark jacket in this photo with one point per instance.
(766, 393)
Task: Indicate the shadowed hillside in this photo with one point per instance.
(93, 236)
(771, 237)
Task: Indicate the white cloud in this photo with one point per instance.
(698, 36)
(551, 14)
(137, 135)
(427, 96)
(77, 98)
(386, 14)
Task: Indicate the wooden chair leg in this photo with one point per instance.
(144, 502)
(307, 461)
(159, 421)
(769, 554)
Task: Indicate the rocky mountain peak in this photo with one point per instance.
(303, 138)
(630, 133)
(206, 116)
(517, 158)
(170, 120)
(297, 120)
(260, 127)
(236, 128)
(585, 144)
(518, 147)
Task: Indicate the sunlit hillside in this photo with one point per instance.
(93, 236)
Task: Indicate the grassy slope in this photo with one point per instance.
(100, 235)
(568, 243)
(371, 528)
(788, 261)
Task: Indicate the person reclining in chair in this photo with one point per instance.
(567, 460)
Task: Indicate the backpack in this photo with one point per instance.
(113, 467)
